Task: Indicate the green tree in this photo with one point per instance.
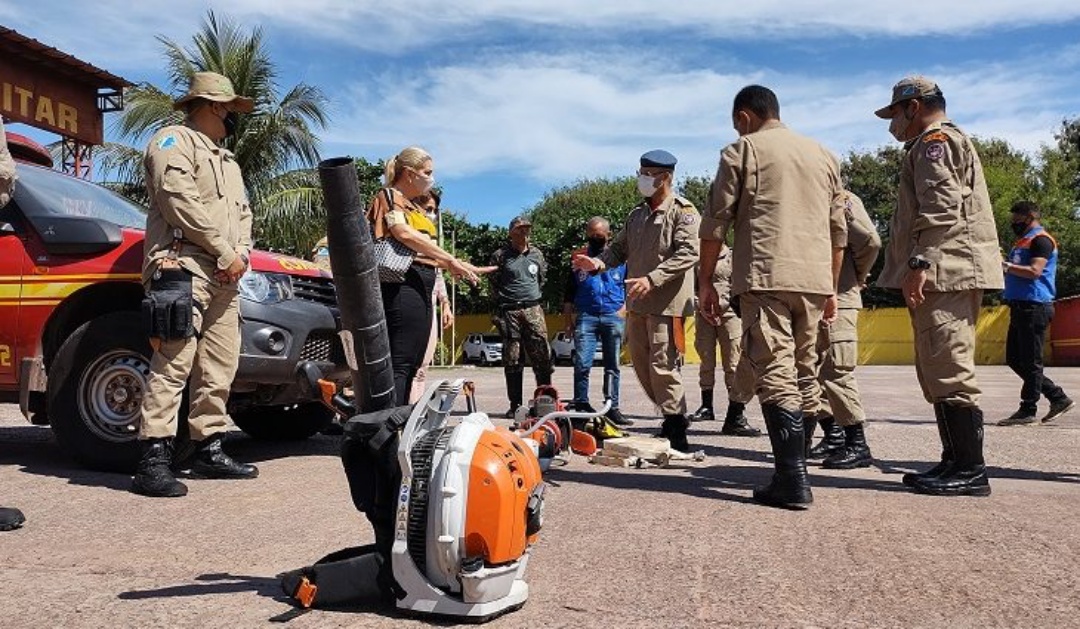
(874, 176)
(559, 224)
(475, 243)
(272, 141)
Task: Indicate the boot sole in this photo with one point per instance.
(205, 476)
(180, 493)
(790, 506)
(13, 525)
(847, 466)
(967, 491)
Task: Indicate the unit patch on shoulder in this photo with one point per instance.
(935, 151)
(936, 136)
(167, 142)
(688, 218)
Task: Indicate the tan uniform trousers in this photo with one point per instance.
(780, 331)
(656, 360)
(944, 327)
(738, 376)
(838, 353)
(210, 357)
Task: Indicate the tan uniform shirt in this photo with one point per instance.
(663, 246)
(721, 279)
(195, 185)
(782, 192)
(862, 250)
(7, 169)
(944, 214)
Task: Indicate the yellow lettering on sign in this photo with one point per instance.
(55, 113)
(44, 111)
(5, 356)
(24, 100)
(67, 117)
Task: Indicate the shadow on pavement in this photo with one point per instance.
(902, 467)
(219, 583)
(34, 450)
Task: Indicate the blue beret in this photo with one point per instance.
(658, 158)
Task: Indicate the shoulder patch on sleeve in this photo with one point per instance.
(167, 142)
(935, 151)
(937, 136)
(688, 217)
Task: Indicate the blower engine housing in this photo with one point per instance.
(470, 506)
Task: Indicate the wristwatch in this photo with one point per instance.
(918, 263)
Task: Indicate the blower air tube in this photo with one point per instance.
(352, 260)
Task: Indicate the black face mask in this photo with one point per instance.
(231, 120)
(1020, 228)
(597, 244)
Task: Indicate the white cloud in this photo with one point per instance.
(556, 118)
(120, 33)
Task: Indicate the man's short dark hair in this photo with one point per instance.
(757, 99)
(1026, 208)
(935, 102)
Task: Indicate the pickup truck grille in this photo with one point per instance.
(323, 347)
(318, 289)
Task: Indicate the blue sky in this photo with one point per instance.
(514, 97)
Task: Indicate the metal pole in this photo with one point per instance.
(453, 305)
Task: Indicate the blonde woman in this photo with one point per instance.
(408, 305)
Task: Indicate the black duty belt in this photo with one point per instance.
(520, 305)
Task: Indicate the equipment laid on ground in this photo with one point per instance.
(641, 452)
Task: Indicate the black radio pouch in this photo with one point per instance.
(167, 308)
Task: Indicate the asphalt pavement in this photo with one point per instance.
(678, 547)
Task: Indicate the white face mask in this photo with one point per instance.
(426, 182)
(899, 125)
(646, 185)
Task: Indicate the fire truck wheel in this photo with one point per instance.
(284, 423)
(95, 390)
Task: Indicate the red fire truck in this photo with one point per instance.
(73, 348)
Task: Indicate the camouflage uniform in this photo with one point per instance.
(519, 316)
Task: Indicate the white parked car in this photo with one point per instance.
(562, 348)
(483, 349)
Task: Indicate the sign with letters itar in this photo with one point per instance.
(49, 100)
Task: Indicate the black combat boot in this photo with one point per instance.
(543, 378)
(790, 486)
(831, 441)
(967, 475)
(705, 413)
(855, 452)
(153, 477)
(674, 430)
(212, 462)
(514, 386)
(809, 427)
(735, 423)
(946, 451)
(11, 519)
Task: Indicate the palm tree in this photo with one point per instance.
(270, 143)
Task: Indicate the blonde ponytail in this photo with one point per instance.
(411, 157)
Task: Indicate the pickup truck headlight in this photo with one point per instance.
(266, 288)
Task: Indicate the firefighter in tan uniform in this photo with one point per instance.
(781, 192)
(198, 238)
(943, 253)
(727, 333)
(659, 245)
(10, 518)
(844, 445)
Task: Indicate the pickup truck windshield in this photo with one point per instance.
(41, 193)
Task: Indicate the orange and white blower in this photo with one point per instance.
(455, 506)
